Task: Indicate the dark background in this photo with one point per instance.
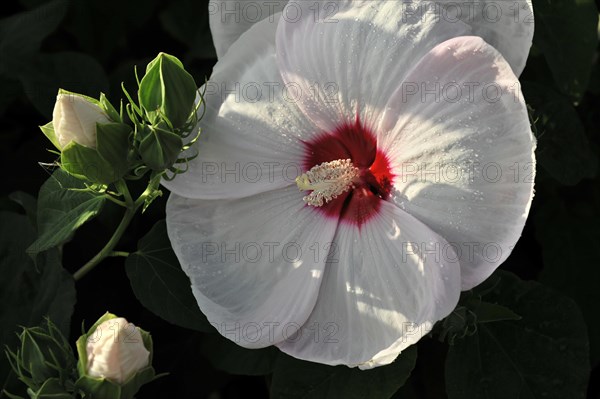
(93, 45)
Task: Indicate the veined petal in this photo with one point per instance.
(505, 24)
(462, 152)
(253, 263)
(251, 131)
(384, 287)
(228, 19)
(350, 55)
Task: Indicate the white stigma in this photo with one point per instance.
(327, 181)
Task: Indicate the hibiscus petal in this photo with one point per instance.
(229, 19)
(461, 147)
(252, 262)
(384, 287)
(250, 130)
(348, 57)
(507, 25)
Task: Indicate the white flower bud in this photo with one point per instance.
(116, 351)
(74, 119)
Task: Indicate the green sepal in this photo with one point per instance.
(112, 143)
(87, 164)
(148, 344)
(48, 130)
(51, 389)
(98, 388)
(167, 91)
(133, 385)
(109, 109)
(101, 388)
(159, 148)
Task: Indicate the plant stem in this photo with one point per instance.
(116, 201)
(119, 253)
(123, 189)
(108, 248)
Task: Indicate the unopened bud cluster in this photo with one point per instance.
(115, 360)
(101, 145)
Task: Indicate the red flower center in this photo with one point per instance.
(357, 143)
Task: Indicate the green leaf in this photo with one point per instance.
(563, 148)
(295, 378)
(22, 34)
(471, 311)
(28, 294)
(75, 72)
(226, 355)
(28, 203)
(569, 250)
(566, 33)
(61, 211)
(545, 354)
(159, 283)
(491, 312)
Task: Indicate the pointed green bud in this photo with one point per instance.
(44, 355)
(159, 147)
(167, 92)
(115, 359)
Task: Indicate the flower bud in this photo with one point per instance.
(116, 351)
(44, 361)
(74, 119)
(114, 359)
(167, 92)
(93, 141)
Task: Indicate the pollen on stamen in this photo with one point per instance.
(327, 180)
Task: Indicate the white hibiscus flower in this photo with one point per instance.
(354, 174)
